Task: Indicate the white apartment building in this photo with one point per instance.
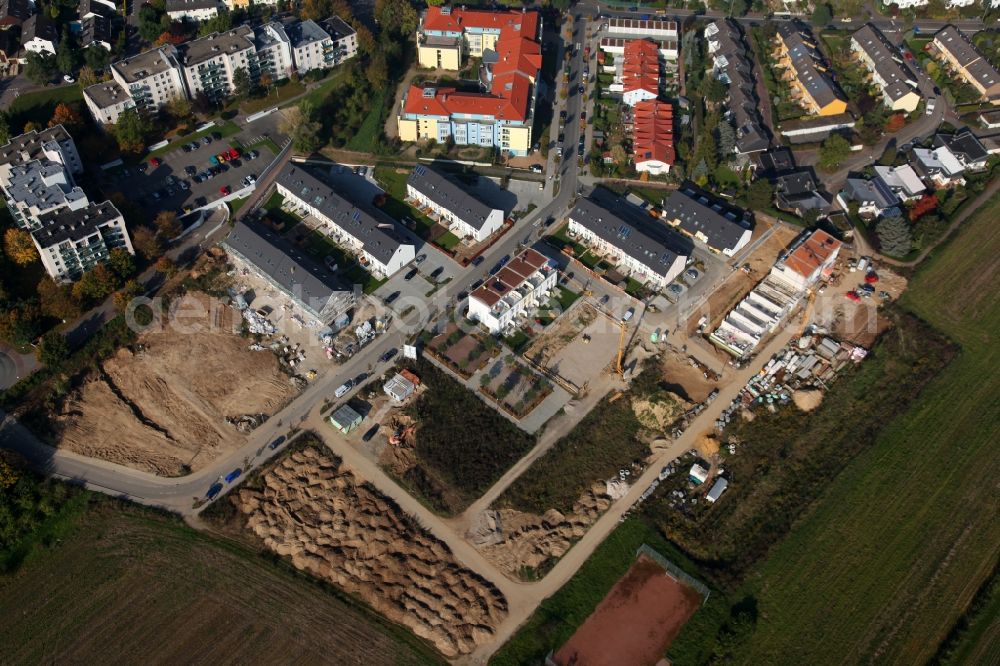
(274, 51)
(210, 63)
(152, 79)
(192, 10)
(807, 261)
(525, 283)
(381, 249)
(36, 175)
(72, 241)
(312, 48)
(646, 248)
(464, 214)
(343, 37)
(107, 101)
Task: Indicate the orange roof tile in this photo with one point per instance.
(653, 132)
(809, 256)
(641, 66)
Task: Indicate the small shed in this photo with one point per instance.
(345, 419)
(718, 488)
(698, 474)
(399, 388)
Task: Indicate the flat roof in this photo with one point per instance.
(147, 63)
(303, 33)
(107, 93)
(190, 5)
(510, 277)
(74, 225)
(450, 195)
(216, 44)
(29, 146)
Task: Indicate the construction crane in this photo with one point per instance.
(806, 313)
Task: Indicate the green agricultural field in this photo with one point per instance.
(123, 584)
(903, 539)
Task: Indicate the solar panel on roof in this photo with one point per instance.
(356, 216)
(419, 170)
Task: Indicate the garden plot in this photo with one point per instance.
(464, 353)
(514, 387)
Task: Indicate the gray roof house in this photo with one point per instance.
(964, 145)
(874, 197)
(310, 286)
(723, 228)
(798, 192)
(453, 203)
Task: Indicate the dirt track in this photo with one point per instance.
(164, 406)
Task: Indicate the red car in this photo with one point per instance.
(871, 278)
(853, 296)
(224, 190)
(233, 153)
(155, 162)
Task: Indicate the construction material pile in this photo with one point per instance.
(340, 529)
(258, 324)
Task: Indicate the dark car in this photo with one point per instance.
(360, 378)
(201, 201)
(232, 476)
(475, 285)
(186, 148)
(437, 271)
(217, 136)
(214, 491)
(371, 433)
(206, 140)
(276, 443)
(391, 297)
(386, 357)
(462, 295)
(190, 170)
(478, 260)
(410, 274)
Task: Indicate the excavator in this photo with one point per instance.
(400, 433)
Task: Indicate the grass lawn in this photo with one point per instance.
(274, 211)
(904, 537)
(119, 583)
(560, 615)
(319, 93)
(565, 297)
(264, 142)
(277, 97)
(321, 246)
(236, 204)
(394, 184)
(366, 138)
(447, 240)
(517, 341)
(38, 106)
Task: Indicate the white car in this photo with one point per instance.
(68, 79)
(930, 107)
(628, 314)
(344, 388)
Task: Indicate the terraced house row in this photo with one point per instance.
(955, 49)
(500, 114)
(883, 61)
(806, 72)
(208, 66)
(731, 64)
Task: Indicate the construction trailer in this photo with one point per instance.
(345, 419)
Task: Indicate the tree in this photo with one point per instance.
(151, 22)
(895, 123)
(833, 151)
(221, 22)
(131, 130)
(54, 349)
(895, 236)
(726, 144)
(179, 107)
(40, 68)
(19, 247)
(242, 85)
(760, 194)
(166, 266)
(619, 155)
(96, 59)
(299, 123)
(396, 16)
(714, 90)
(377, 71)
(924, 205)
(126, 295)
(66, 116)
(121, 262)
(170, 37)
(96, 284)
(4, 128)
(67, 53)
(87, 77)
(265, 80)
(366, 41)
(146, 243)
(822, 14)
(19, 325)
(315, 9)
(57, 300)
(167, 225)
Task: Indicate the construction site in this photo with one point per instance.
(177, 399)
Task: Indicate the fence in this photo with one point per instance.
(674, 571)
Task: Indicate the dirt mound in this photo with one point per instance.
(163, 409)
(518, 542)
(659, 410)
(707, 445)
(807, 400)
(339, 529)
(679, 371)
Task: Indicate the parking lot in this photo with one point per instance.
(188, 178)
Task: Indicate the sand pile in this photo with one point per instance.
(707, 445)
(163, 408)
(515, 540)
(342, 530)
(807, 399)
(659, 410)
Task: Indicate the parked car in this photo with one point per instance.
(330, 262)
(252, 155)
(232, 476)
(391, 297)
(535, 168)
(206, 140)
(371, 433)
(224, 190)
(344, 388)
(628, 314)
(692, 273)
(605, 298)
(68, 79)
(155, 162)
(214, 491)
(387, 356)
(276, 443)
(478, 260)
(233, 154)
(190, 170)
(437, 271)
(183, 184)
(186, 147)
(420, 258)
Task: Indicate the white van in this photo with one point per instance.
(344, 388)
(628, 314)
